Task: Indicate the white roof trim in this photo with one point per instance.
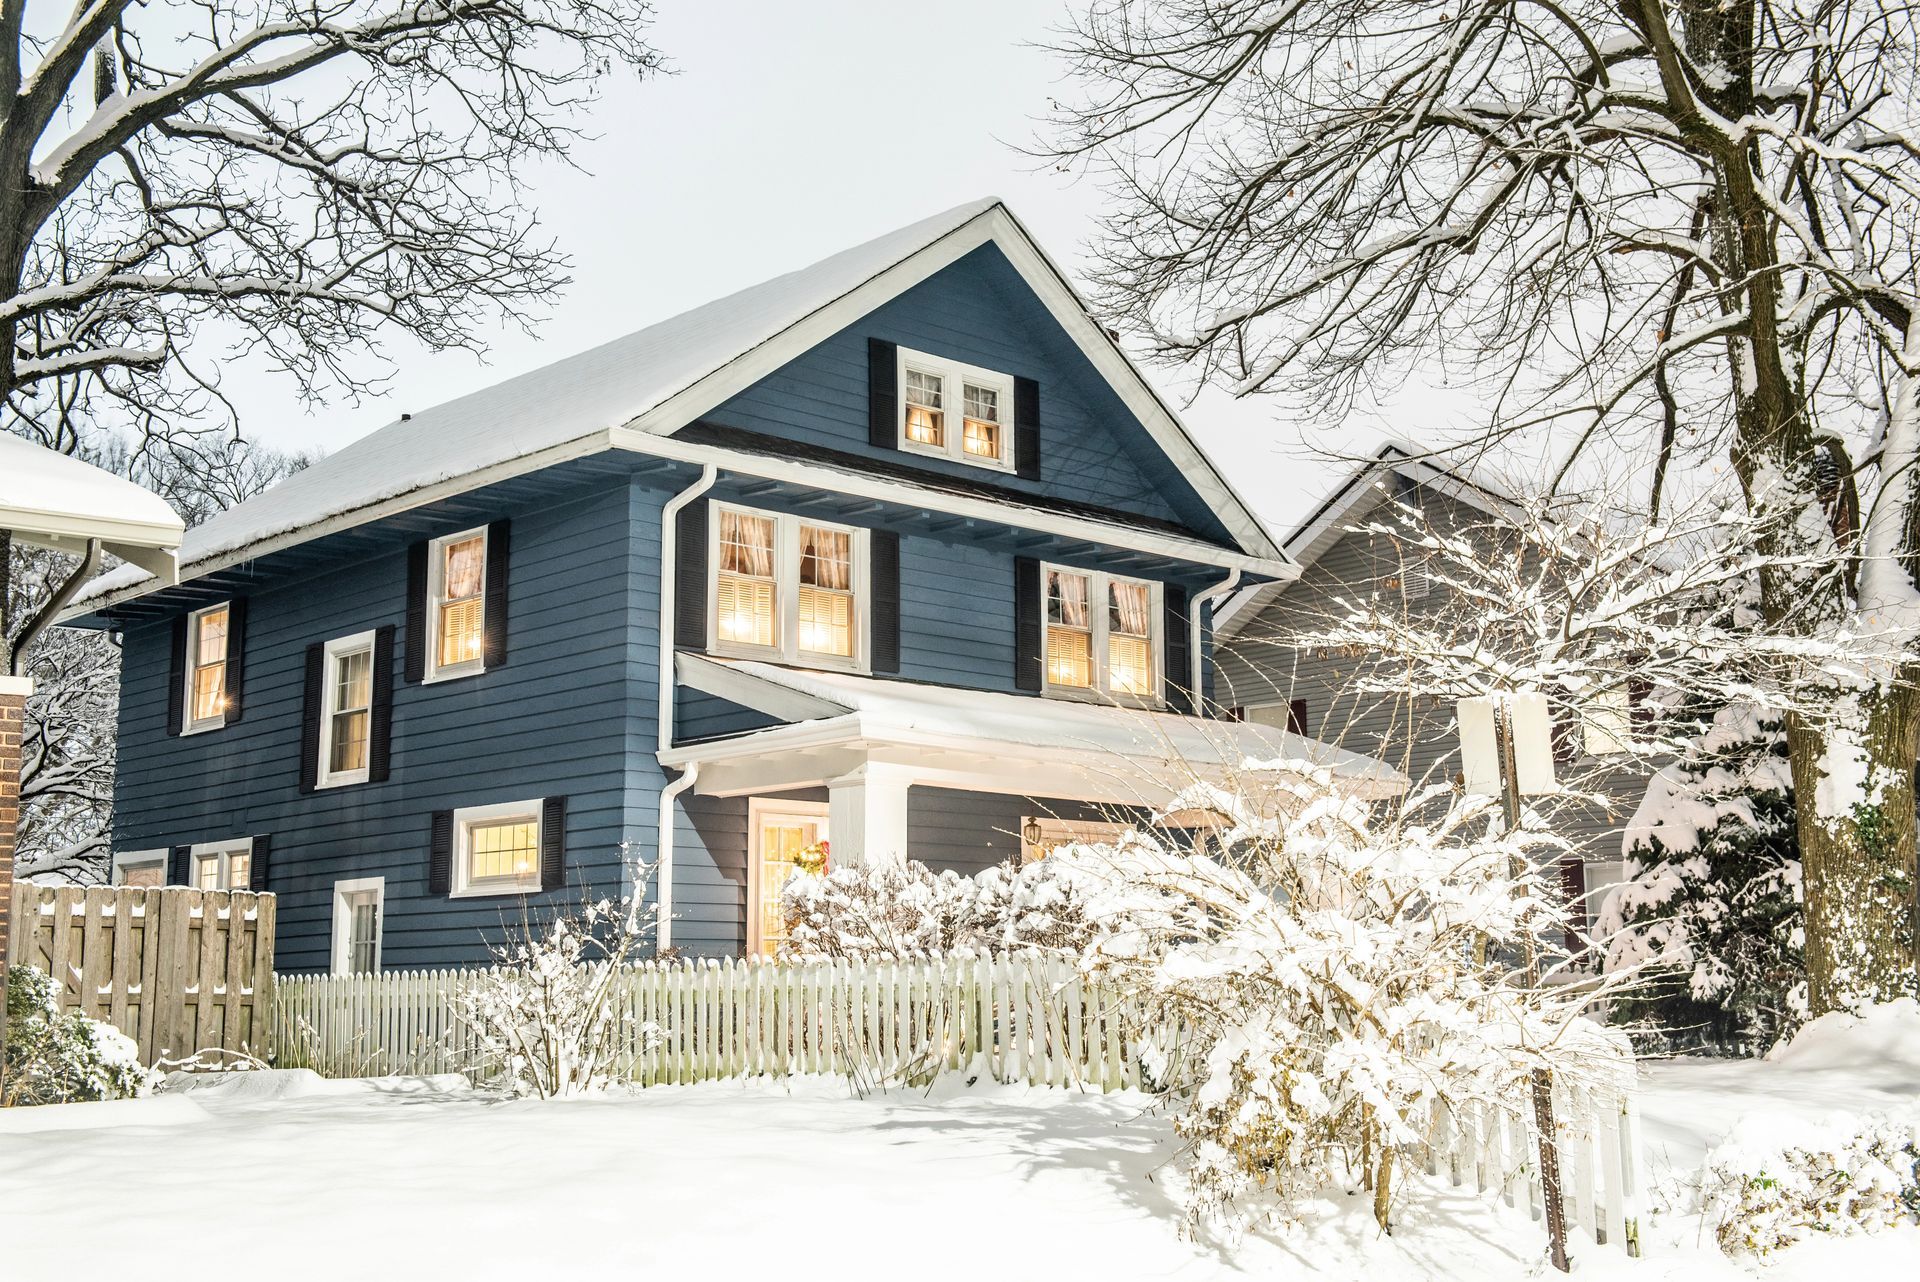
(53, 500)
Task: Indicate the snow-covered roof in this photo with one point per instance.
(1360, 489)
(656, 381)
(1045, 747)
(55, 500)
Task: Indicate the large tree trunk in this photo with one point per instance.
(1858, 866)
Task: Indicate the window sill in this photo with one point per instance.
(780, 659)
(519, 889)
(346, 780)
(1003, 466)
(435, 677)
(1074, 694)
(204, 727)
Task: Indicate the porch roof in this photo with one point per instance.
(837, 723)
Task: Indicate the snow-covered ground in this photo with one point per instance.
(423, 1178)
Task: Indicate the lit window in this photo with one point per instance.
(926, 383)
(787, 588)
(346, 714)
(206, 674)
(457, 590)
(926, 419)
(226, 865)
(1102, 634)
(497, 850)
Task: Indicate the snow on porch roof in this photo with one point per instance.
(1109, 745)
(53, 500)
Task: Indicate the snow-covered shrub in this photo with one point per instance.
(1323, 976)
(543, 1015)
(1710, 917)
(55, 1056)
(1780, 1179)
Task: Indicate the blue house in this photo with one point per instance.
(896, 553)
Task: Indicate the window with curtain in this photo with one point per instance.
(460, 604)
(933, 386)
(746, 593)
(787, 588)
(347, 713)
(207, 668)
(1102, 634)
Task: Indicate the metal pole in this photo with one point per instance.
(1542, 1082)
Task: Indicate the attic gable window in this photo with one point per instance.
(206, 675)
(932, 388)
(787, 588)
(1102, 635)
(456, 592)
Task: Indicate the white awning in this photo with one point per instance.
(52, 500)
(982, 741)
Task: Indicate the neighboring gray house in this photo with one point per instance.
(1312, 691)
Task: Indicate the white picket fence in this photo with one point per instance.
(1020, 1018)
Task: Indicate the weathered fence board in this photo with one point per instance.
(178, 970)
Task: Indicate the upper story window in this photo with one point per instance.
(955, 411)
(206, 675)
(1102, 634)
(456, 604)
(346, 711)
(789, 588)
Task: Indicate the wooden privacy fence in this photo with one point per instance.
(1025, 1018)
(178, 970)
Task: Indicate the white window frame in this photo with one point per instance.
(125, 859)
(786, 591)
(188, 724)
(1098, 582)
(436, 598)
(329, 692)
(1055, 831)
(343, 922)
(954, 375)
(224, 851)
(464, 821)
(758, 808)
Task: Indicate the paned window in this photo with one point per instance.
(932, 387)
(787, 588)
(1102, 635)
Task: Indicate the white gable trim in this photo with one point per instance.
(998, 226)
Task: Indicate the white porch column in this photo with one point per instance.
(867, 815)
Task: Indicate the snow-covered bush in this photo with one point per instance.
(1779, 1180)
(1710, 917)
(543, 1015)
(55, 1056)
(1322, 975)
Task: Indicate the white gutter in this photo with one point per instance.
(1195, 654)
(663, 851)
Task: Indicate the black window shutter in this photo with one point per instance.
(261, 858)
(1179, 656)
(236, 657)
(499, 552)
(177, 865)
(883, 572)
(380, 711)
(417, 612)
(440, 854)
(310, 717)
(177, 679)
(1296, 716)
(883, 394)
(690, 577)
(553, 843)
(1026, 428)
(1026, 624)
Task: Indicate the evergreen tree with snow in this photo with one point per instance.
(1711, 915)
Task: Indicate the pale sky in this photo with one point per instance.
(790, 132)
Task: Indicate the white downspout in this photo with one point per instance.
(663, 859)
(1195, 654)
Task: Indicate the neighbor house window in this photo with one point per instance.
(1102, 634)
(787, 588)
(206, 674)
(456, 595)
(346, 711)
(497, 849)
(140, 868)
(221, 865)
(934, 390)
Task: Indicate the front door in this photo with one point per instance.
(789, 838)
